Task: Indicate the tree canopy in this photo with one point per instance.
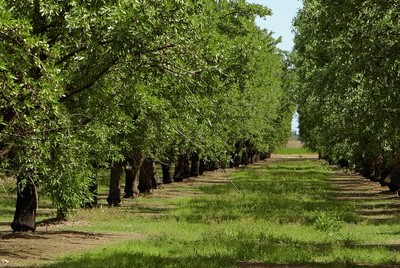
(347, 63)
(88, 82)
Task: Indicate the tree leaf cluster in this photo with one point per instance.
(347, 66)
(85, 83)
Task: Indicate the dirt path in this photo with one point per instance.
(42, 247)
(50, 242)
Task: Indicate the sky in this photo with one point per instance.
(280, 23)
(281, 20)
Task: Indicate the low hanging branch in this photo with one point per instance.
(74, 89)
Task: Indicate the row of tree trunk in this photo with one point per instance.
(140, 177)
(378, 169)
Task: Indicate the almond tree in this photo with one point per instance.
(97, 83)
(347, 67)
(65, 52)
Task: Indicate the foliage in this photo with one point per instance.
(346, 62)
(327, 224)
(85, 83)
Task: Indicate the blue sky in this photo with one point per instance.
(281, 24)
(281, 20)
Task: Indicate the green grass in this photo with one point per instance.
(289, 150)
(283, 214)
(7, 198)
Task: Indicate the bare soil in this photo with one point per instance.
(44, 246)
(51, 240)
(294, 144)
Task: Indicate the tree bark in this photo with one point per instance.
(114, 194)
(194, 167)
(131, 176)
(148, 176)
(367, 166)
(166, 173)
(264, 156)
(25, 211)
(201, 166)
(394, 183)
(213, 165)
(237, 160)
(245, 158)
(182, 169)
(232, 160)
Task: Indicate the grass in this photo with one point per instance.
(283, 214)
(290, 150)
(7, 198)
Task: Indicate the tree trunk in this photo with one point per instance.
(232, 160)
(186, 167)
(264, 156)
(213, 165)
(61, 215)
(182, 169)
(201, 166)
(256, 157)
(25, 211)
(194, 168)
(385, 174)
(166, 173)
(237, 160)
(131, 176)
(245, 158)
(378, 165)
(148, 176)
(155, 180)
(343, 163)
(367, 167)
(394, 183)
(114, 194)
(251, 157)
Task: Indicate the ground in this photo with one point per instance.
(47, 245)
(51, 241)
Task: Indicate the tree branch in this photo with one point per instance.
(5, 151)
(74, 89)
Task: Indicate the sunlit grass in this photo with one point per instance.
(289, 150)
(282, 214)
(7, 198)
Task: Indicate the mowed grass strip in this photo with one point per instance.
(293, 150)
(283, 214)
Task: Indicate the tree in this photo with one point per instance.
(347, 84)
(98, 83)
(71, 50)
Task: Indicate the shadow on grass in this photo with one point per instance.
(237, 251)
(269, 209)
(286, 197)
(143, 260)
(8, 235)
